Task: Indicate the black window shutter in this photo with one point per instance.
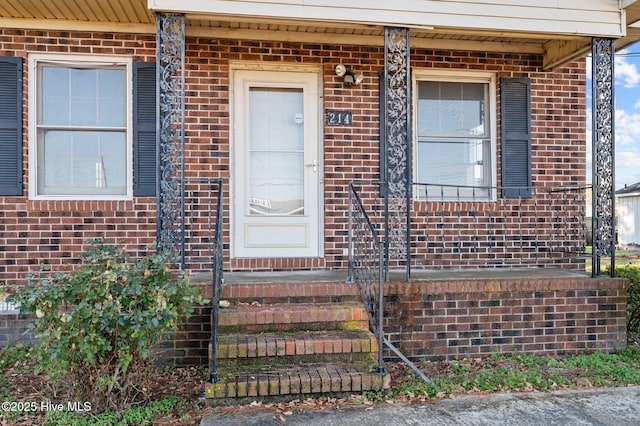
(515, 104)
(10, 125)
(144, 129)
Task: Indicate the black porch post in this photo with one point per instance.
(397, 146)
(170, 87)
(603, 152)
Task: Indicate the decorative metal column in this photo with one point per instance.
(603, 148)
(397, 127)
(170, 85)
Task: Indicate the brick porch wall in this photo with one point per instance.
(14, 327)
(190, 345)
(445, 320)
(436, 319)
(35, 232)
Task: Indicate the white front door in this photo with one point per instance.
(276, 161)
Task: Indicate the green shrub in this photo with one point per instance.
(96, 326)
(14, 353)
(632, 273)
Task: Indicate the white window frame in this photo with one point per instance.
(461, 76)
(80, 60)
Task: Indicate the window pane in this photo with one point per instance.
(276, 183)
(73, 157)
(276, 119)
(111, 97)
(83, 97)
(454, 141)
(54, 104)
(276, 157)
(83, 112)
(82, 163)
(463, 163)
(452, 108)
(57, 153)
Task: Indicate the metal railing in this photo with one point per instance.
(366, 270)
(456, 227)
(473, 226)
(204, 245)
(203, 200)
(218, 282)
(366, 263)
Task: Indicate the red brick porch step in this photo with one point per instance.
(282, 341)
(294, 316)
(297, 347)
(293, 382)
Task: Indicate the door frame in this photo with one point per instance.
(234, 68)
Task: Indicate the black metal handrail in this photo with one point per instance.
(366, 270)
(218, 282)
(366, 265)
(203, 245)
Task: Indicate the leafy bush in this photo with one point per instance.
(14, 353)
(632, 273)
(97, 326)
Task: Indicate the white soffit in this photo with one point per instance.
(601, 18)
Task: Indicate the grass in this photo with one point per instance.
(142, 415)
(520, 372)
(623, 257)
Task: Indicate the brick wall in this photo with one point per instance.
(13, 326)
(449, 319)
(33, 232)
(54, 232)
(438, 319)
(190, 345)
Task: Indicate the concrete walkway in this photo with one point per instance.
(613, 406)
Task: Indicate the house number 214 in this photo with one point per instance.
(339, 118)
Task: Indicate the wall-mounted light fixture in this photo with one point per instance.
(348, 75)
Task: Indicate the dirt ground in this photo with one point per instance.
(188, 383)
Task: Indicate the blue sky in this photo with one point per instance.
(627, 131)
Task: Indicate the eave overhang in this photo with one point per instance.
(557, 30)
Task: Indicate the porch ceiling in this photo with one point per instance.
(135, 16)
